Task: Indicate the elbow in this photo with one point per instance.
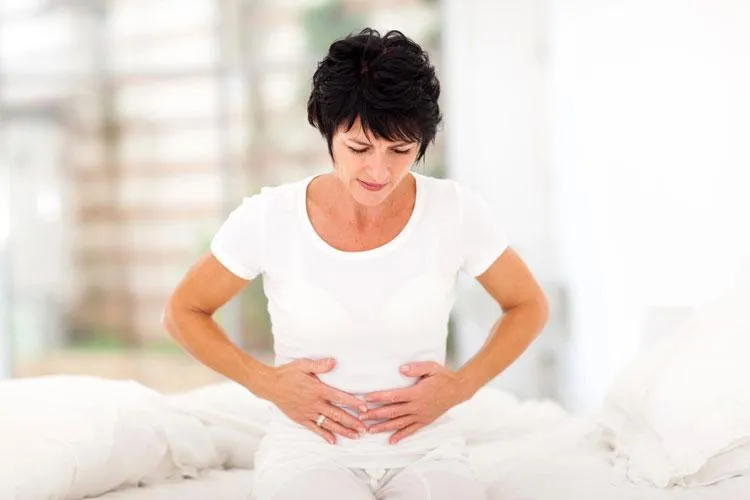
(181, 319)
(543, 306)
(169, 319)
(537, 308)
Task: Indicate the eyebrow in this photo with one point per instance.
(363, 143)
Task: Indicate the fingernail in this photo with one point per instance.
(363, 408)
(405, 368)
(362, 416)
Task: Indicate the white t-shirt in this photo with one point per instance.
(372, 310)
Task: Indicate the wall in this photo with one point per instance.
(611, 136)
(5, 291)
(649, 156)
(497, 143)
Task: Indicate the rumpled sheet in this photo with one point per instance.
(70, 437)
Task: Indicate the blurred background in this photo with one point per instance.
(610, 136)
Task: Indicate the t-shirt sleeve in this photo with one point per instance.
(483, 237)
(239, 243)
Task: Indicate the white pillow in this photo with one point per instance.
(68, 437)
(675, 414)
(65, 437)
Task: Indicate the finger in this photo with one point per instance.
(344, 399)
(405, 432)
(388, 412)
(339, 429)
(421, 368)
(342, 417)
(395, 396)
(393, 425)
(316, 365)
(320, 432)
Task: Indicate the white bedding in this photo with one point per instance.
(561, 461)
(679, 414)
(569, 461)
(70, 437)
(88, 437)
(233, 484)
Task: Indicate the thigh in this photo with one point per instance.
(436, 480)
(321, 484)
(306, 476)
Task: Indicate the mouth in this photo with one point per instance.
(370, 186)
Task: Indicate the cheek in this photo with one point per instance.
(348, 164)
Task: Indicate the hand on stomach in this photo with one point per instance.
(400, 399)
(301, 396)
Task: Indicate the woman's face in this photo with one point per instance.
(370, 168)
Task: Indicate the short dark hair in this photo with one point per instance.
(387, 81)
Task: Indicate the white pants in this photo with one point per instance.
(431, 480)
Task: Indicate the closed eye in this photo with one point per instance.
(364, 150)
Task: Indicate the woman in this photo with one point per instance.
(359, 267)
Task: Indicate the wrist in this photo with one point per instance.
(467, 386)
(260, 379)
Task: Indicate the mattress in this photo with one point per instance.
(584, 477)
(233, 484)
(520, 450)
(566, 461)
(579, 476)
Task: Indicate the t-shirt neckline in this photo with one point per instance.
(395, 242)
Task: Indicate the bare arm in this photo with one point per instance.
(293, 387)
(188, 317)
(510, 283)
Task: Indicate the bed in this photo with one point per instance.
(675, 425)
(233, 484)
(572, 467)
(568, 463)
(207, 438)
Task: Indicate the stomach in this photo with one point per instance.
(289, 438)
(361, 370)
(359, 374)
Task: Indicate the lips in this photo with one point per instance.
(370, 186)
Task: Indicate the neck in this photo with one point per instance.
(363, 216)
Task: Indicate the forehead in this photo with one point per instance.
(355, 131)
(359, 133)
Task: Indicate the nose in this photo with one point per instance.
(378, 170)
